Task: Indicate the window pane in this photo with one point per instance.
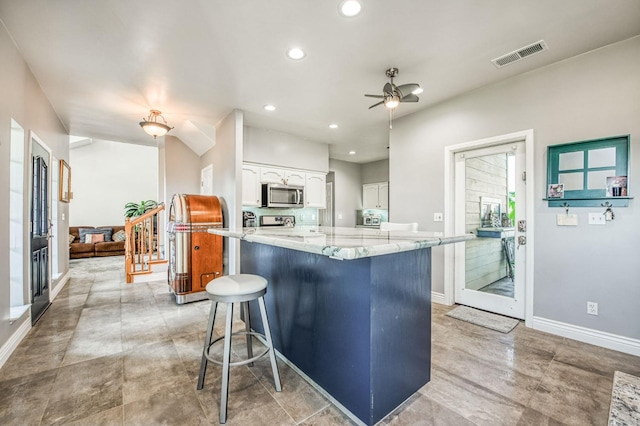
(571, 161)
(598, 180)
(571, 181)
(605, 157)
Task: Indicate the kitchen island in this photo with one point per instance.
(350, 308)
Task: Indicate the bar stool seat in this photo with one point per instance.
(230, 289)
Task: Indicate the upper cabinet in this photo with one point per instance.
(251, 189)
(375, 195)
(315, 190)
(284, 176)
(253, 176)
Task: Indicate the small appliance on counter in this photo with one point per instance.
(368, 219)
(249, 219)
(278, 220)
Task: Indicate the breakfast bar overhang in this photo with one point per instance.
(350, 308)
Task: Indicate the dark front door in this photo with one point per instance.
(39, 234)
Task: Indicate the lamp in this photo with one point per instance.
(152, 126)
(391, 101)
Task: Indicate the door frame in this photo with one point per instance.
(449, 213)
(34, 138)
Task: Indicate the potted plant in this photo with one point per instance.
(134, 209)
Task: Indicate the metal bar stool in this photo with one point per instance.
(230, 289)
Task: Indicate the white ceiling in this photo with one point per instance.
(104, 64)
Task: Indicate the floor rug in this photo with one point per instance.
(625, 400)
(483, 319)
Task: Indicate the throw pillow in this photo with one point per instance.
(119, 236)
(107, 231)
(71, 238)
(95, 238)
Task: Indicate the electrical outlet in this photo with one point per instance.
(597, 219)
(340, 216)
(302, 217)
(313, 216)
(438, 217)
(592, 308)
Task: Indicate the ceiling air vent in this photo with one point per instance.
(519, 54)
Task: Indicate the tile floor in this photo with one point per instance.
(108, 353)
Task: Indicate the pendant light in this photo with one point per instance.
(152, 126)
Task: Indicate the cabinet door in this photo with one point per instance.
(251, 190)
(294, 177)
(271, 175)
(370, 196)
(383, 195)
(315, 190)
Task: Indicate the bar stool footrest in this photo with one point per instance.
(241, 362)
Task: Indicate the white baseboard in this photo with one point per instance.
(7, 349)
(587, 335)
(437, 298)
(55, 290)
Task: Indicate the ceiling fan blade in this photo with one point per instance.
(387, 88)
(375, 105)
(406, 89)
(410, 98)
(375, 96)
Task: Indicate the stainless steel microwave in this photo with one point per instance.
(283, 196)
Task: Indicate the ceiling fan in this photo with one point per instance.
(392, 95)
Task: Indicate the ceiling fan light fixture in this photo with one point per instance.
(350, 8)
(392, 101)
(152, 126)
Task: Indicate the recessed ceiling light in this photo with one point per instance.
(350, 8)
(333, 126)
(418, 91)
(269, 107)
(296, 53)
(352, 153)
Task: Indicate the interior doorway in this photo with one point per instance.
(487, 195)
(40, 227)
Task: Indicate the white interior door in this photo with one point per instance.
(206, 180)
(490, 271)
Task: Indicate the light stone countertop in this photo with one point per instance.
(341, 243)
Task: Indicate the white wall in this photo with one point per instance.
(226, 158)
(590, 96)
(105, 175)
(23, 100)
(281, 149)
(347, 189)
(376, 171)
(182, 169)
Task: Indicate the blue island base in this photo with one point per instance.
(360, 329)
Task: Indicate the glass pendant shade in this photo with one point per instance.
(152, 126)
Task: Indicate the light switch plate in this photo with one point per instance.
(597, 219)
(438, 217)
(567, 220)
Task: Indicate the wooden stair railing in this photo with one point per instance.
(142, 244)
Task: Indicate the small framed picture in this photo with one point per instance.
(617, 186)
(556, 190)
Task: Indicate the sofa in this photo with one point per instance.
(78, 248)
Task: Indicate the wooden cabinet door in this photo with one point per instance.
(315, 190)
(271, 175)
(295, 177)
(251, 189)
(383, 195)
(370, 196)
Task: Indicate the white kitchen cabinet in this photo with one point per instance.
(294, 177)
(271, 175)
(315, 190)
(375, 195)
(251, 188)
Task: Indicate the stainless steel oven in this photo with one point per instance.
(283, 196)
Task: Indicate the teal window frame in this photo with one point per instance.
(588, 197)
